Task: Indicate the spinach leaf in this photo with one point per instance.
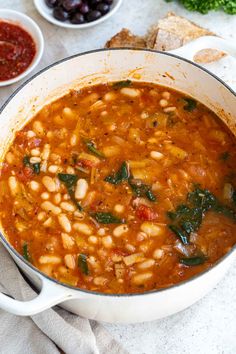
(91, 147)
(188, 217)
(140, 189)
(190, 105)
(34, 166)
(224, 156)
(180, 233)
(202, 198)
(106, 218)
(193, 261)
(120, 84)
(82, 263)
(69, 181)
(26, 252)
(121, 175)
(26, 160)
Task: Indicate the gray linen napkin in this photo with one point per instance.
(42, 333)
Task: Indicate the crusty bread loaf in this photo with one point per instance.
(170, 33)
(126, 39)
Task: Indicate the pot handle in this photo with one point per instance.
(51, 294)
(189, 50)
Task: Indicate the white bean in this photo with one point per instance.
(30, 134)
(163, 103)
(49, 183)
(49, 259)
(46, 152)
(45, 195)
(67, 241)
(13, 185)
(67, 206)
(83, 228)
(118, 208)
(158, 253)
(120, 230)
(68, 113)
(73, 140)
(78, 215)
(166, 95)
(101, 232)
(57, 198)
(139, 279)
(152, 229)
(107, 241)
(64, 222)
(93, 240)
(109, 96)
(169, 109)
(53, 169)
(48, 206)
(69, 261)
(156, 155)
(38, 128)
(41, 216)
(34, 185)
(146, 264)
(130, 92)
(35, 152)
(35, 159)
(10, 157)
(100, 280)
(81, 188)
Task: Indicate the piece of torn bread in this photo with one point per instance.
(170, 33)
(173, 32)
(126, 39)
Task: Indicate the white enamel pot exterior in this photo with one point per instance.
(100, 67)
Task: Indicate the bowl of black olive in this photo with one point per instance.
(77, 13)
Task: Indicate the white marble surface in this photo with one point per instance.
(208, 327)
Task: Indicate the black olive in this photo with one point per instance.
(93, 15)
(103, 8)
(71, 5)
(60, 14)
(51, 3)
(94, 3)
(84, 9)
(109, 2)
(77, 19)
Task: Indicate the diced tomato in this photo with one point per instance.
(21, 138)
(25, 174)
(34, 142)
(86, 163)
(144, 212)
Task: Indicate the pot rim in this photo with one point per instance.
(89, 292)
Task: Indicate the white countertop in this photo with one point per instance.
(208, 327)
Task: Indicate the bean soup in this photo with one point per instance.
(121, 188)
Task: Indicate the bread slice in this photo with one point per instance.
(173, 32)
(170, 33)
(126, 39)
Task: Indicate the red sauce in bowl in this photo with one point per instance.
(17, 50)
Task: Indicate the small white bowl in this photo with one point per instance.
(33, 29)
(46, 12)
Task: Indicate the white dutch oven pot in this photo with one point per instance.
(100, 67)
